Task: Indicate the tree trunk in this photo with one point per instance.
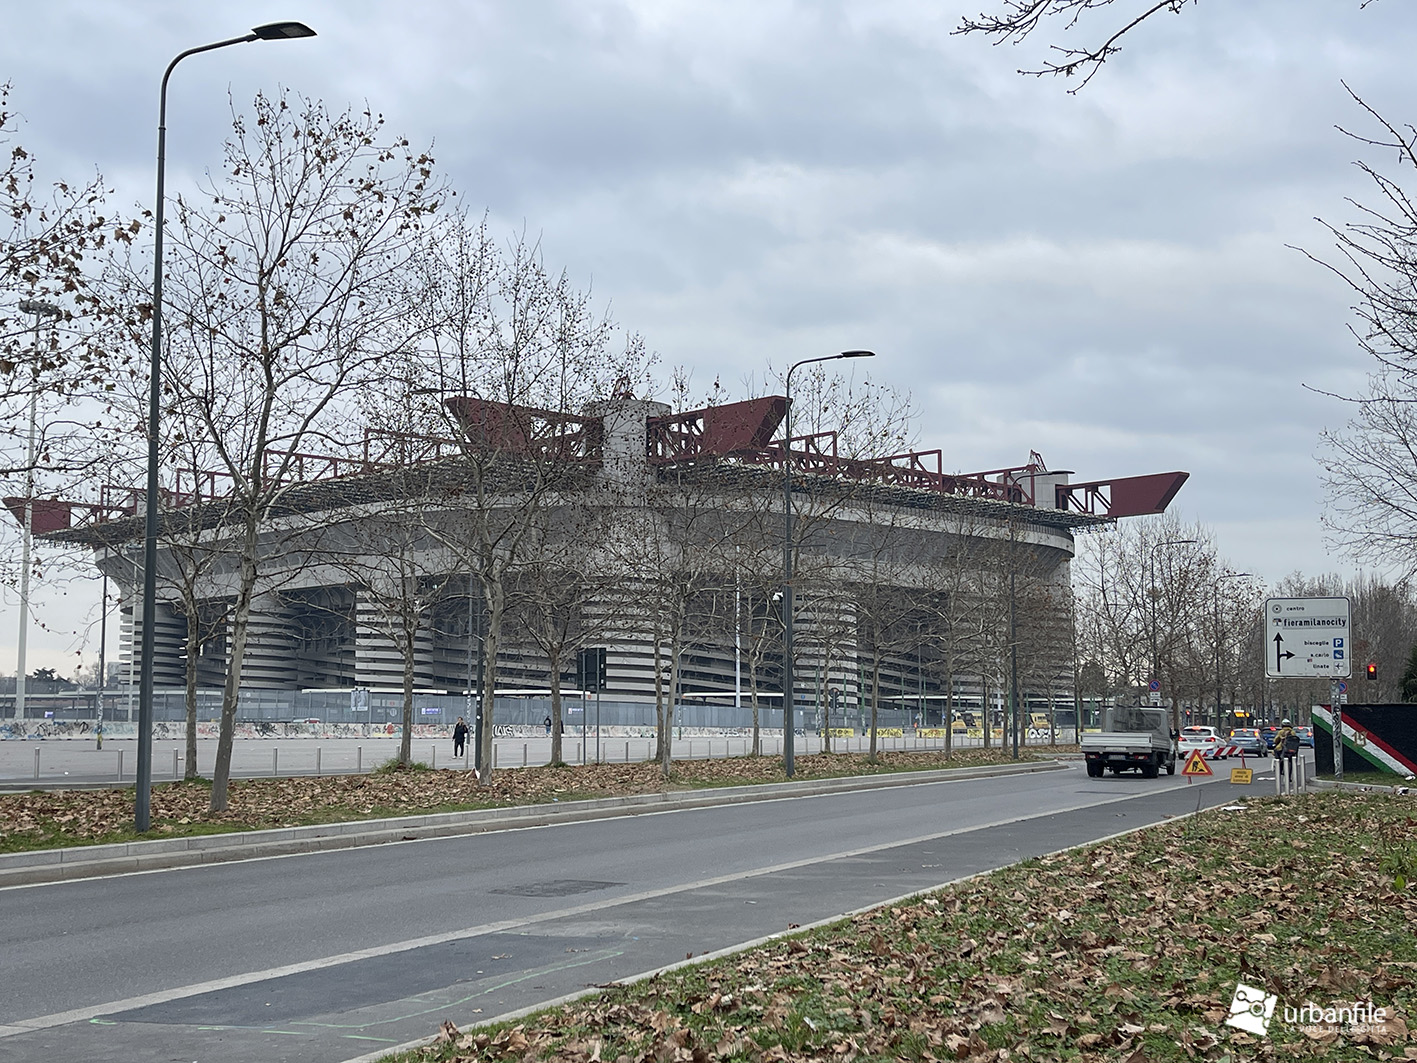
(194, 644)
(875, 702)
(666, 761)
(659, 724)
(557, 754)
(406, 739)
(753, 698)
(949, 720)
(240, 625)
(986, 712)
(496, 598)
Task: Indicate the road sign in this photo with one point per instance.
(1196, 765)
(1343, 688)
(1154, 685)
(1241, 776)
(1307, 638)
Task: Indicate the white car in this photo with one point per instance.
(1203, 738)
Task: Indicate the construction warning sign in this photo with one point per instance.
(1241, 776)
(1196, 765)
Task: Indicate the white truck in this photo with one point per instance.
(1133, 737)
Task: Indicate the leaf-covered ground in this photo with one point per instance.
(47, 819)
(1128, 950)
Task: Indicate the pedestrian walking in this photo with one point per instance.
(459, 737)
(547, 722)
(98, 734)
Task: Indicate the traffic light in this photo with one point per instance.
(590, 669)
(1372, 670)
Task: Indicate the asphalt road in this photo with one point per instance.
(326, 957)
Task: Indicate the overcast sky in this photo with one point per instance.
(1102, 277)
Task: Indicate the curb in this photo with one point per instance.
(92, 861)
(1400, 788)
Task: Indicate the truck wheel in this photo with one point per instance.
(1170, 765)
(1150, 770)
(1094, 768)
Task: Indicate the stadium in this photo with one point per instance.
(652, 541)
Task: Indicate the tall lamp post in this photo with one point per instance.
(39, 310)
(788, 763)
(1223, 576)
(271, 31)
(1155, 593)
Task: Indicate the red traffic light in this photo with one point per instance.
(1372, 670)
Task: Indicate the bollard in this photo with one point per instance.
(120, 765)
(494, 754)
(275, 760)
(433, 758)
(691, 749)
(317, 760)
(359, 759)
(524, 745)
(36, 761)
(466, 747)
(174, 764)
(627, 752)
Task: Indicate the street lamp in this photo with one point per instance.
(1155, 649)
(1223, 576)
(787, 681)
(271, 31)
(39, 310)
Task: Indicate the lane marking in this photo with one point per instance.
(63, 1018)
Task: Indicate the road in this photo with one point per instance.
(327, 956)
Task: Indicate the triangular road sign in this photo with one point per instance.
(1196, 765)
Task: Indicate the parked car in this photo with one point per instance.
(1198, 737)
(1248, 740)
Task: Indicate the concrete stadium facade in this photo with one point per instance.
(887, 557)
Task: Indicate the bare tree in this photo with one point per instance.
(518, 353)
(566, 594)
(399, 571)
(1017, 20)
(287, 287)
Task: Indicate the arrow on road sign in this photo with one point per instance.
(1280, 653)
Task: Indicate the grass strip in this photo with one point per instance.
(40, 819)
(1126, 950)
